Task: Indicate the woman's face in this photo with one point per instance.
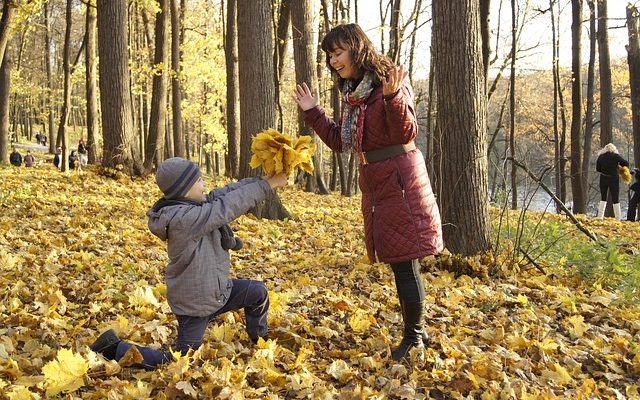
(342, 62)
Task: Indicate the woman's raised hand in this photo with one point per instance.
(303, 97)
(393, 81)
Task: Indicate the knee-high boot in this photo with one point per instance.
(412, 314)
(425, 336)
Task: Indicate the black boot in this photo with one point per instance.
(425, 337)
(413, 332)
(106, 344)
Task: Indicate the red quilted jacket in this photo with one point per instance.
(401, 217)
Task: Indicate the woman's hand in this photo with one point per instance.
(303, 97)
(393, 82)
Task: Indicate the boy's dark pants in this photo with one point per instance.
(247, 294)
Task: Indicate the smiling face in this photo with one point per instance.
(341, 61)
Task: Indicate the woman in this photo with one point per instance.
(607, 165)
(401, 217)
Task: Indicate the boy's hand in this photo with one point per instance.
(277, 180)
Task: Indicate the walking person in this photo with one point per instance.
(194, 225)
(401, 217)
(607, 165)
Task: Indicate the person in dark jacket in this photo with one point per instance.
(29, 160)
(15, 158)
(57, 158)
(194, 225)
(635, 199)
(607, 165)
(401, 217)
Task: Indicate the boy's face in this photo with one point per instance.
(197, 191)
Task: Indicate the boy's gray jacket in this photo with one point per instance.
(197, 276)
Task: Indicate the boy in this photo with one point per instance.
(635, 199)
(194, 224)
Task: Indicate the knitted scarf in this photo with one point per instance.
(353, 112)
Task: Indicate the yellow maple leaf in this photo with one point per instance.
(576, 326)
(65, 373)
(360, 321)
(560, 376)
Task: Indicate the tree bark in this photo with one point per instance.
(8, 12)
(64, 115)
(257, 90)
(606, 91)
(394, 32)
(176, 90)
(579, 201)
(5, 84)
(154, 152)
(512, 109)
(47, 61)
(90, 81)
(588, 117)
(461, 123)
(485, 30)
(119, 150)
(233, 90)
(633, 58)
(303, 54)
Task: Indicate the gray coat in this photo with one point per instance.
(197, 276)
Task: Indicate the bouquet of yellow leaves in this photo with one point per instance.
(625, 174)
(277, 153)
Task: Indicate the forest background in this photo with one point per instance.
(526, 304)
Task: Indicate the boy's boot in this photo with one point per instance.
(616, 211)
(106, 344)
(601, 207)
(413, 332)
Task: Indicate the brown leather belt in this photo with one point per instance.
(386, 152)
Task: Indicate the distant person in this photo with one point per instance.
(635, 199)
(15, 158)
(607, 165)
(44, 139)
(29, 160)
(194, 225)
(74, 161)
(38, 138)
(57, 159)
(82, 153)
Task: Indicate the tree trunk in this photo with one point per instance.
(557, 150)
(154, 152)
(633, 58)
(579, 201)
(588, 117)
(119, 150)
(257, 90)
(394, 31)
(176, 91)
(5, 84)
(461, 121)
(90, 80)
(233, 90)
(8, 12)
(66, 54)
(303, 54)
(485, 30)
(512, 109)
(47, 60)
(606, 92)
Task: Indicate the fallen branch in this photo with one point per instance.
(560, 204)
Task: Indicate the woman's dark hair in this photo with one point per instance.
(352, 38)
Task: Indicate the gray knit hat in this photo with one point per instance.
(175, 176)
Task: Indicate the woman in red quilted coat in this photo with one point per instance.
(401, 217)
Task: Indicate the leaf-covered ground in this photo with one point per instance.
(76, 258)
